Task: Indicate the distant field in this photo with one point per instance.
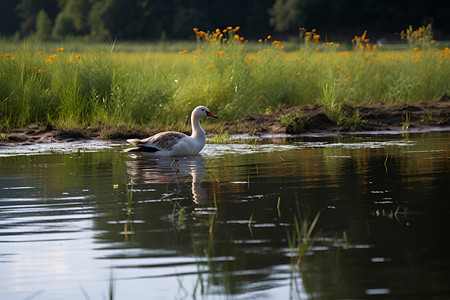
(77, 84)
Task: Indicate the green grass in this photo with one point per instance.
(115, 85)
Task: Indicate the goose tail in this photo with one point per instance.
(134, 142)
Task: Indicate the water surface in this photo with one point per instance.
(87, 221)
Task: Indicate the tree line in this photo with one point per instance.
(174, 19)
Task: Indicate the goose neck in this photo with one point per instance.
(197, 130)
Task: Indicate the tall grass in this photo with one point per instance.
(105, 86)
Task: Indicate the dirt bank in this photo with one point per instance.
(317, 118)
(308, 118)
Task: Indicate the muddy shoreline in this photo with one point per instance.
(294, 120)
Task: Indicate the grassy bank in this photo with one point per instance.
(102, 86)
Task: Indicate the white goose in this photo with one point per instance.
(170, 143)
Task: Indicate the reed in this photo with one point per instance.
(301, 239)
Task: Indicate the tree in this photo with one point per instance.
(96, 20)
(63, 26)
(43, 25)
(72, 20)
(27, 11)
(287, 14)
(9, 23)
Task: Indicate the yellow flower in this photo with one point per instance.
(208, 67)
(237, 28)
(298, 74)
(78, 57)
(316, 37)
(236, 36)
(41, 71)
(363, 37)
(40, 52)
(260, 41)
(7, 55)
(269, 37)
(13, 59)
(49, 60)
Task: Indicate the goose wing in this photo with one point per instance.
(160, 141)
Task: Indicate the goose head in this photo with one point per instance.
(202, 111)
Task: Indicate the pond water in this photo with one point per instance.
(87, 221)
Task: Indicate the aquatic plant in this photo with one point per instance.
(301, 239)
(221, 138)
(407, 122)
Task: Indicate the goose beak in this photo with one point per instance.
(209, 114)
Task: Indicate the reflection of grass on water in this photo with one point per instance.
(210, 272)
(206, 250)
(129, 222)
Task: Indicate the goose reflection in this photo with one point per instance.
(145, 169)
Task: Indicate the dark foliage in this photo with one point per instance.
(174, 19)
